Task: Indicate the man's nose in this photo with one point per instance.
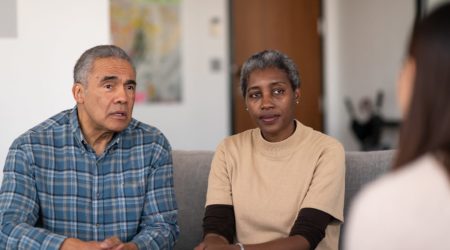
(121, 95)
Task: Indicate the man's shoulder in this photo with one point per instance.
(60, 119)
(137, 126)
(145, 132)
(56, 122)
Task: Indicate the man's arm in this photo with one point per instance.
(158, 227)
(19, 207)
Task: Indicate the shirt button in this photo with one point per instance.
(97, 225)
(98, 195)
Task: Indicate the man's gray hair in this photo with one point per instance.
(85, 62)
(269, 59)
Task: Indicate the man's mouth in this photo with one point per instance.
(120, 114)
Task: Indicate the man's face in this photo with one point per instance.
(106, 102)
(271, 103)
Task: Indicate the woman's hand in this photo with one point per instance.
(215, 242)
(203, 246)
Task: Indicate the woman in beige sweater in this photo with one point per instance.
(280, 185)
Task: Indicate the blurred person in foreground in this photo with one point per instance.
(280, 185)
(410, 207)
(91, 177)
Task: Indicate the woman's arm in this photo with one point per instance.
(218, 226)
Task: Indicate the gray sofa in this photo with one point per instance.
(191, 169)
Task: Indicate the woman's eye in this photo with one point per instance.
(131, 87)
(254, 95)
(278, 91)
(108, 86)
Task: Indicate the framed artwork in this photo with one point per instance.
(8, 19)
(150, 32)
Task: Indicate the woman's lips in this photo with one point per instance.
(269, 118)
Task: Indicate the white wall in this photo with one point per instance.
(364, 45)
(36, 69)
(202, 119)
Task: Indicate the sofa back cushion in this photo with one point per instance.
(360, 169)
(191, 170)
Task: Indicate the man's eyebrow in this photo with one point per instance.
(107, 78)
(131, 82)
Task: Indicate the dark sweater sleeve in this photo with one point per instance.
(219, 219)
(311, 224)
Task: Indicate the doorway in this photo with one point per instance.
(290, 26)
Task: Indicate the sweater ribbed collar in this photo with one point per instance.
(282, 148)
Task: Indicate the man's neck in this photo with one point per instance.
(96, 137)
(98, 141)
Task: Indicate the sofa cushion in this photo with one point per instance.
(360, 169)
(191, 170)
(364, 167)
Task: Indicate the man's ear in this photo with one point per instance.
(78, 92)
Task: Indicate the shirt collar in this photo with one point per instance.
(75, 125)
(76, 130)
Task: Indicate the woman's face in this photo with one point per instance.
(271, 103)
(405, 85)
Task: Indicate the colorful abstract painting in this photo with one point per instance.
(150, 31)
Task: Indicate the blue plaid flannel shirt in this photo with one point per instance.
(54, 187)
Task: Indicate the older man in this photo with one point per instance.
(91, 177)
